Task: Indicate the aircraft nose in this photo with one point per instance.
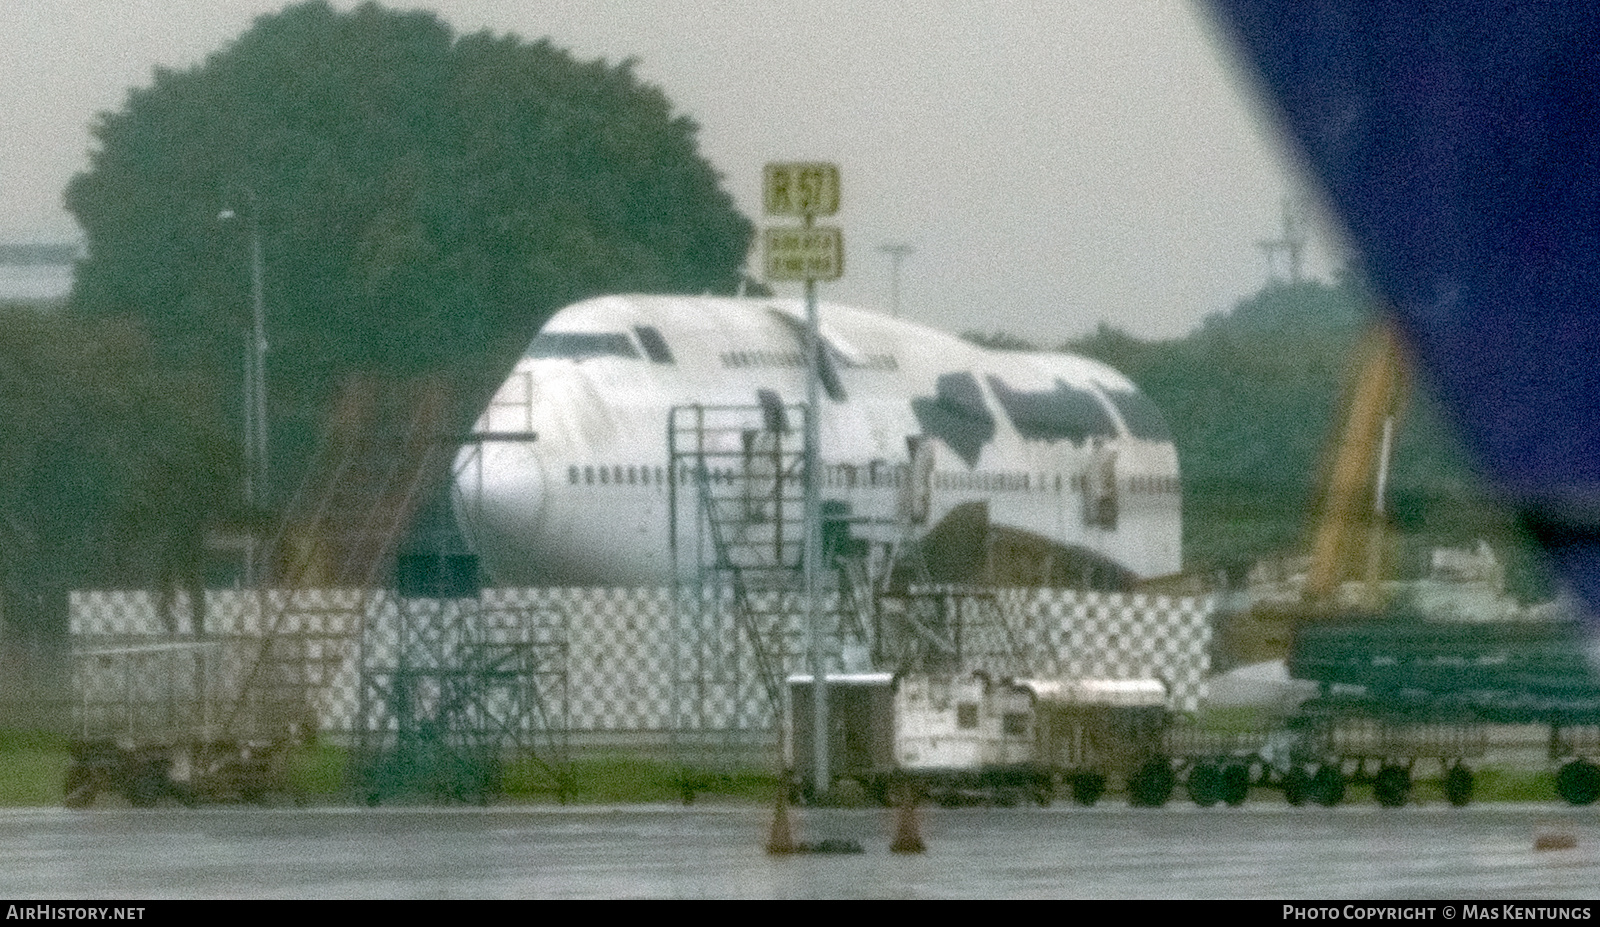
(502, 499)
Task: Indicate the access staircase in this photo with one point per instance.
(737, 513)
(384, 451)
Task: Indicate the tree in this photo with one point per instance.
(423, 201)
(1254, 399)
(110, 473)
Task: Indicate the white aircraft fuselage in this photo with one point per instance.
(1057, 447)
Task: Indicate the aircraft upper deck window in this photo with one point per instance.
(582, 345)
(1061, 413)
(655, 346)
(957, 415)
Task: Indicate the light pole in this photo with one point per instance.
(255, 386)
(810, 253)
(897, 253)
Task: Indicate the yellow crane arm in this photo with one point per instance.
(1354, 495)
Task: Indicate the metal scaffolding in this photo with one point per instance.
(456, 694)
(737, 535)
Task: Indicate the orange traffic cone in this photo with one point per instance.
(781, 840)
(907, 830)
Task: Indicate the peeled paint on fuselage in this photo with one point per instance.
(1057, 446)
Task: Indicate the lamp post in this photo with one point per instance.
(255, 386)
(897, 253)
(810, 253)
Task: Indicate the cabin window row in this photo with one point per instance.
(1024, 482)
(846, 476)
(634, 475)
(763, 359)
(616, 475)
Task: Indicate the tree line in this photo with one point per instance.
(1255, 396)
(420, 201)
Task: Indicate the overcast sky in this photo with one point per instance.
(1053, 163)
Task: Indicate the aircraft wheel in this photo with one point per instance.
(1579, 782)
(1392, 786)
(1458, 785)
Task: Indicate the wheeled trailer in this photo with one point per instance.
(960, 739)
(1316, 755)
(150, 724)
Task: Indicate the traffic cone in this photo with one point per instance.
(781, 841)
(907, 830)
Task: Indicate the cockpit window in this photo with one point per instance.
(655, 346)
(1142, 416)
(1062, 413)
(582, 345)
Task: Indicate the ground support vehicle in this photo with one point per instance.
(1216, 766)
(150, 725)
(1091, 734)
(1445, 683)
(1316, 755)
(960, 739)
(1400, 697)
(861, 724)
(1362, 741)
(1399, 694)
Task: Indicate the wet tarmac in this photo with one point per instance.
(1110, 851)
